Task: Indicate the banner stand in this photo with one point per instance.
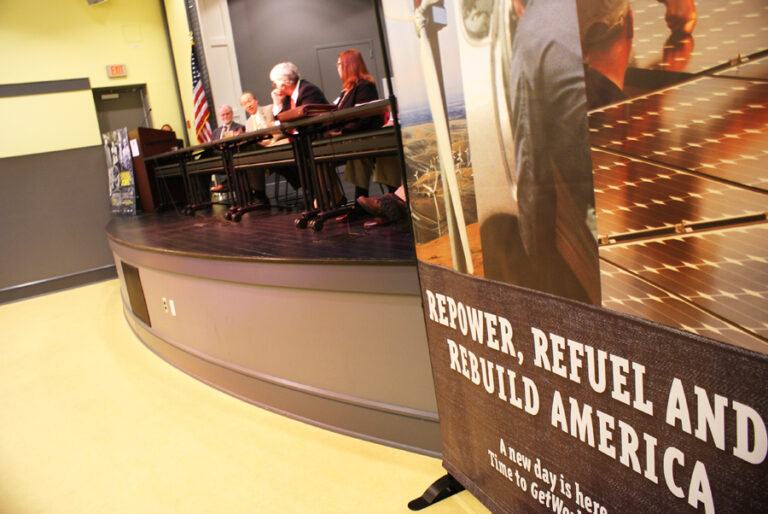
(442, 488)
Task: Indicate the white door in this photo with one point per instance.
(220, 56)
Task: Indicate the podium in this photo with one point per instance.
(146, 142)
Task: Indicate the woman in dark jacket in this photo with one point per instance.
(358, 88)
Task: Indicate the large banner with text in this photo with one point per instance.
(587, 199)
(556, 406)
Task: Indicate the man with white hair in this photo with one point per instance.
(228, 127)
(291, 90)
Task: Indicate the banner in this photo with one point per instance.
(122, 188)
(554, 405)
(592, 241)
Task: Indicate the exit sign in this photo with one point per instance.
(116, 70)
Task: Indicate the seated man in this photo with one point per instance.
(291, 90)
(228, 128)
(258, 117)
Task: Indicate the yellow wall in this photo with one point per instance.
(49, 122)
(47, 40)
(181, 44)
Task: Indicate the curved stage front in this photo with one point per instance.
(324, 327)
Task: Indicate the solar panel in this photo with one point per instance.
(756, 69)
(633, 196)
(712, 126)
(724, 272)
(629, 294)
(725, 30)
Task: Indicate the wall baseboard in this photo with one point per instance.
(52, 284)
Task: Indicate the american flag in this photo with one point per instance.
(202, 127)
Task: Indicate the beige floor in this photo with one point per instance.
(91, 421)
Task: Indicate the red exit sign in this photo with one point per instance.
(116, 70)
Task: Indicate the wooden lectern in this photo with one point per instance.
(144, 143)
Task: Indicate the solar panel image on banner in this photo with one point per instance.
(724, 31)
(756, 69)
(723, 272)
(633, 196)
(714, 126)
(631, 294)
(681, 194)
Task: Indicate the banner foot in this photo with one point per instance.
(442, 488)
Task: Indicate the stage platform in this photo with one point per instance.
(325, 327)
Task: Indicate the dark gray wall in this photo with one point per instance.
(53, 208)
(304, 32)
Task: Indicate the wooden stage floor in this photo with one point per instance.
(263, 235)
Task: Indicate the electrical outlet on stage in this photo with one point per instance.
(169, 307)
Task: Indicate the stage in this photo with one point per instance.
(325, 327)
